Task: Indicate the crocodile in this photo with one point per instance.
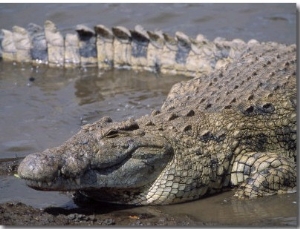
(119, 47)
(232, 128)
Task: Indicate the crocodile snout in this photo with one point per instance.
(41, 167)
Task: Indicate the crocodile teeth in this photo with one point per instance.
(77, 180)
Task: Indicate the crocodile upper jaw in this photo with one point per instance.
(114, 160)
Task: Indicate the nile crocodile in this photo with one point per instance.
(119, 47)
(234, 127)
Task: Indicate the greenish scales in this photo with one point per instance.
(232, 125)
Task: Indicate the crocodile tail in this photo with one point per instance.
(119, 47)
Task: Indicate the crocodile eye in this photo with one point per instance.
(111, 133)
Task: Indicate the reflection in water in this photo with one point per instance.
(97, 87)
(56, 102)
(228, 210)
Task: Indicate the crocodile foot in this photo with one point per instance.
(261, 174)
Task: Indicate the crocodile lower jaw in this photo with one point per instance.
(48, 185)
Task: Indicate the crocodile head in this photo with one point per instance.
(107, 160)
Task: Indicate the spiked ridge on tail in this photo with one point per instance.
(119, 47)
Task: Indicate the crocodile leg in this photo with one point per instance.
(262, 174)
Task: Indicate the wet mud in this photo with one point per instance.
(87, 212)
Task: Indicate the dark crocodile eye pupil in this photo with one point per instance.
(112, 133)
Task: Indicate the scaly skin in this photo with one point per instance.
(119, 47)
(235, 127)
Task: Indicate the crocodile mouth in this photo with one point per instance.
(129, 171)
(50, 185)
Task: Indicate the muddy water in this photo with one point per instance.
(43, 113)
(264, 22)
